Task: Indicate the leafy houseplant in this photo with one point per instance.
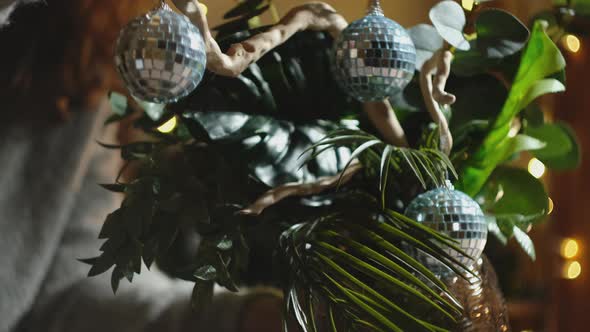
(284, 120)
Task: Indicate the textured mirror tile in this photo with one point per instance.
(161, 56)
(455, 214)
(374, 58)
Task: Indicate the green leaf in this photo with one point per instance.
(114, 187)
(540, 88)
(426, 40)
(562, 151)
(449, 20)
(119, 104)
(225, 243)
(525, 242)
(154, 111)
(522, 193)
(526, 143)
(499, 34)
(540, 59)
(206, 273)
(494, 229)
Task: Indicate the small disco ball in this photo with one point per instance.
(456, 215)
(161, 56)
(374, 58)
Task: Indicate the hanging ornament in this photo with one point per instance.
(161, 56)
(454, 214)
(374, 57)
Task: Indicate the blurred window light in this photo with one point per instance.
(572, 270)
(536, 168)
(572, 43)
(168, 126)
(569, 248)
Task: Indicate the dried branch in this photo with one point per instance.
(433, 79)
(316, 16)
(280, 193)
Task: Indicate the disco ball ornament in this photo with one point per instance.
(456, 215)
(374, 57)
(161, 56)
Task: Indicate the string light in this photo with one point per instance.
(550, 206)
(191, 8)
(169, 126)
(569, 248)
(572, 270)
(468, 4)
(536, 168)
(572, 43)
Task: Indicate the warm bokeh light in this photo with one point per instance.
(569, 248)
(536, 168)
(168, 127)
(468, 4)
(191, 8)
(550, 206)
(572, 270)
(572, 43)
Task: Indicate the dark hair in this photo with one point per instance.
(57, 56)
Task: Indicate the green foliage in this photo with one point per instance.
(540, 60)
(562, 151)
(360, 271)
(286, 120)
(449, 20)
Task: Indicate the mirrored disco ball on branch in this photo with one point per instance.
(374, 57)
(161, 56)
(456, 215)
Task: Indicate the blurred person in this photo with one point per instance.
(55, 70)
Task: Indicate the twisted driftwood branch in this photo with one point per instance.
(319, 16)
(433, 79)
(280, 193)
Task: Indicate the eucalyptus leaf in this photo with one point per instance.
(426, 40)
(153, 110)
(525, 242)
(119, 104)
(449, 20)
(206, 273)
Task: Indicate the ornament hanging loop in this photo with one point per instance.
(375, 8)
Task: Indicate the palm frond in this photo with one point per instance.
(354, 263)
(429, 165)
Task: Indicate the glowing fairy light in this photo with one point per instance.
(536, 168)
(572, 270)
(569, 248)
(550, 206)
(169, 126)
(468, 4)
(572, 43)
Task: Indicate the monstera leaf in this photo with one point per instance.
(499, 35)
(272, 149)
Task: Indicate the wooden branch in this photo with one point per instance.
(433, 79)
(316, 16)
(280, 193)
(383, 118)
